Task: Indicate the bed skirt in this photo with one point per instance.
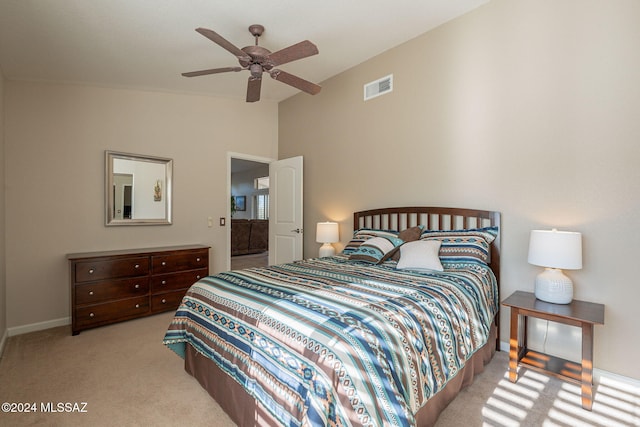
(246, 412)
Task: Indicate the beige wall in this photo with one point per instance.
(3, 287)
(55, 137)
(528, 107)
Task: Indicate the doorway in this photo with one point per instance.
(248, 231)
(122, 195)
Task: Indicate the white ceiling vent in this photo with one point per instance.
(378, 87)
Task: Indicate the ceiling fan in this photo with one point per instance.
(259, 60)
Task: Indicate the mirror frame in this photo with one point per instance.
(110, 156)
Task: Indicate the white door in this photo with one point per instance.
(285, 210)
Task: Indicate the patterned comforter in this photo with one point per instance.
(328, 341)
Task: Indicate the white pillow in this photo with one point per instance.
(420, 255)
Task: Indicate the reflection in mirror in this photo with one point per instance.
(138, 189)
(122, 192)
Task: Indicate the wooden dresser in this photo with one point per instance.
(112, 286)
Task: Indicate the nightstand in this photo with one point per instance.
(577, 313)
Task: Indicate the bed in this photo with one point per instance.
(384, 333)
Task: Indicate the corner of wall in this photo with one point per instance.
(3, 280)
(3, 341)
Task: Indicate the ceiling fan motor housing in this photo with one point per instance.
(258, 54)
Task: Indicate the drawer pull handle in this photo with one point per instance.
(91, 293)
(198, 276)
(137, 266)
(164, 263)
(164, 282)
(164, 301)
(91, 271)
(198, 259)
(137, 286)
(137, 305)
(91, 315)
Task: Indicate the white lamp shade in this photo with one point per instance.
(556, 249)
(327, 232)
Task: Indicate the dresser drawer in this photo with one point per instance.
(86, 271)
(166, 301)
(185, 260)
(111, 311)
(173, 281)
(95, 292)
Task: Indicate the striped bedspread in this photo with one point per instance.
(333, 342)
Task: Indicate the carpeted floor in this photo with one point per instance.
(247, 261)
(127, 377)
(123, 372)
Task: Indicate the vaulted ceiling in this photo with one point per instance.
(147, 44)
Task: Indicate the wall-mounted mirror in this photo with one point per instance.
(138, 189)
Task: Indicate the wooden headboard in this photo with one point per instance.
(436, 218)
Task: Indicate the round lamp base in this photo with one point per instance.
(553, 286)
(327, 250)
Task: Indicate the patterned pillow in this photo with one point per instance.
(420, 255)
(463, 245)
(374, 249)
(364, 234)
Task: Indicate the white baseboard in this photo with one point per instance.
(40, 326)
(598, 374)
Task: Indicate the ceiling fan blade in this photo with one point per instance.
(292, 53)
(253, 89)
(217, 38)
(211, 71)
(295, 81)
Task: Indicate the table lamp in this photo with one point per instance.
(555, 250)
(327, 233)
